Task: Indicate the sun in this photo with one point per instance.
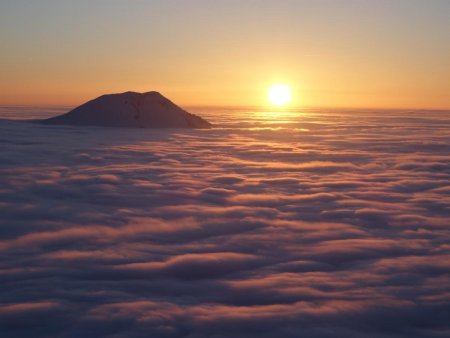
(279, 94)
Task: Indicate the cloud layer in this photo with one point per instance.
(314, 224)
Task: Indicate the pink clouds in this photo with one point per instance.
(194, 266)
(17, 308)
(327, 225)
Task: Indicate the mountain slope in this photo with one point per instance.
(133, 110)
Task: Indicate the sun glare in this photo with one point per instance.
(279, 94)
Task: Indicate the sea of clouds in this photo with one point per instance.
(311, 224)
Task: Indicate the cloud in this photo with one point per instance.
(193, 266)
(327, 225)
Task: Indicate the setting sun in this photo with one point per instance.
(279, 94)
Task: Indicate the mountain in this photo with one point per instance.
(133, 110)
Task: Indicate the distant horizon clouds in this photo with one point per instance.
(347, 53)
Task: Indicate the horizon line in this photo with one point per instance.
(253, 107)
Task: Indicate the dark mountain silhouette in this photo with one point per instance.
(131, 109)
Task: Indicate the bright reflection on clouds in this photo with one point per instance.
(291, 224)
(276, 117)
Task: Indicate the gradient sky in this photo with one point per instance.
(201, 52)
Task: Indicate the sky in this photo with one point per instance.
(392, 54)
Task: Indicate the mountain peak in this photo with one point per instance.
(131, 109)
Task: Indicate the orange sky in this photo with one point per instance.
(389, 54)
